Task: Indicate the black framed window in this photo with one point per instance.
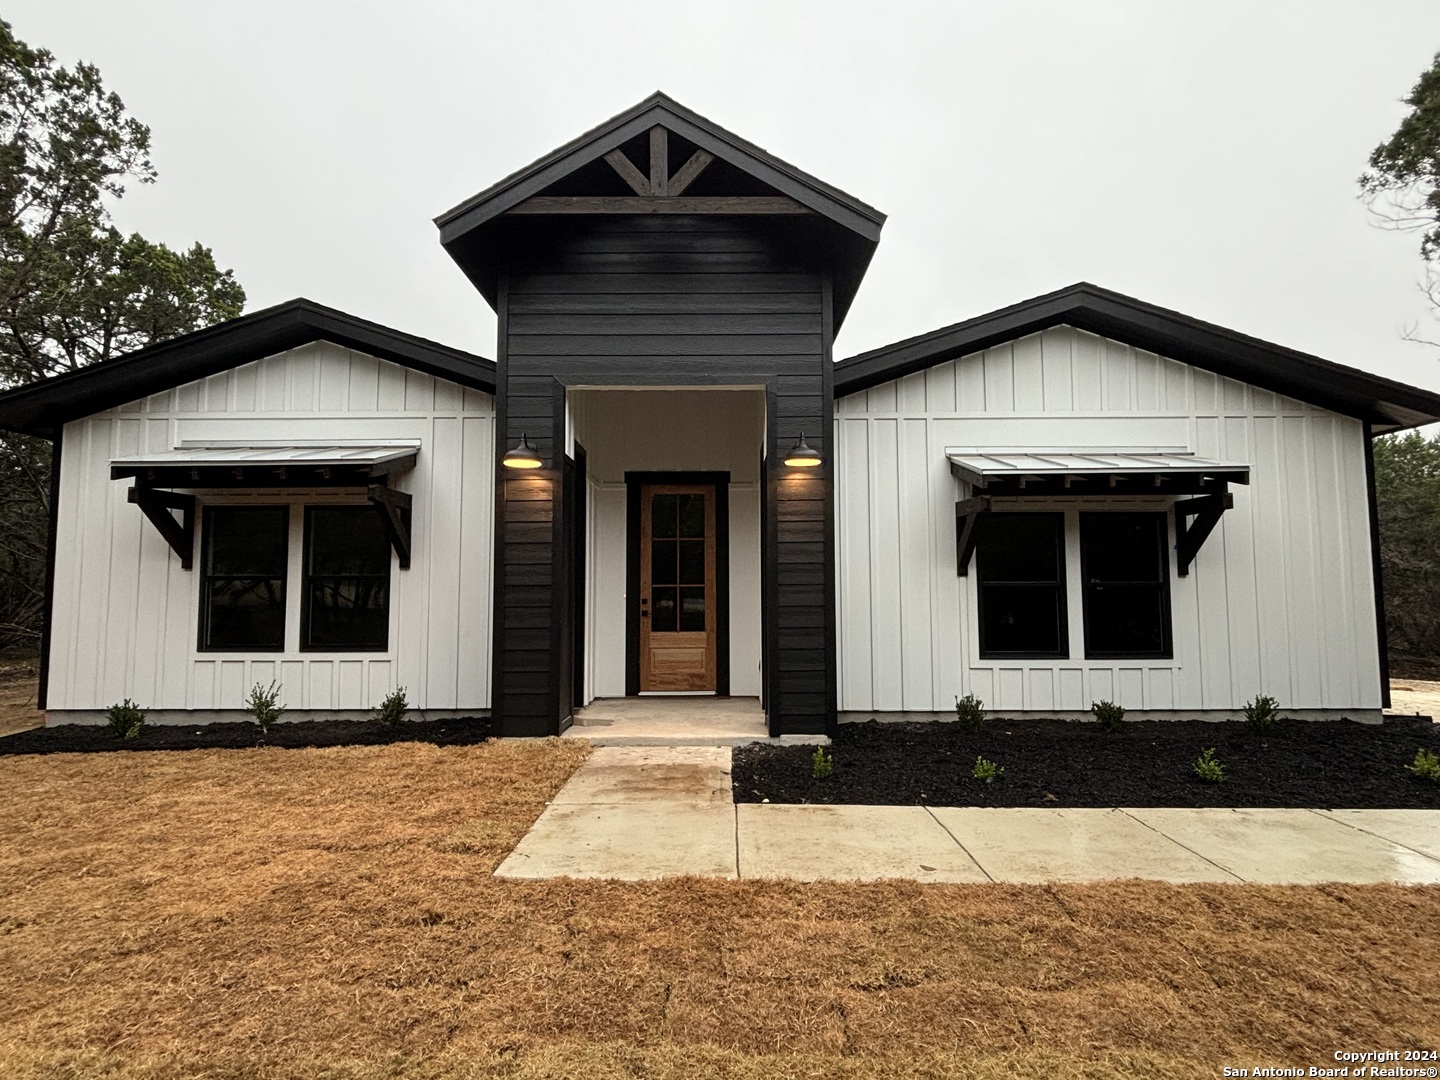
(1020, 569)
(347, 579)
(1125, 570)
(242, 593)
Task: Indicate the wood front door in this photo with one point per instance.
(677, 587)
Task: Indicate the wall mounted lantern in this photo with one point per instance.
(521, 456)
(803, 456)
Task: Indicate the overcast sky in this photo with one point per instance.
(1200, 156)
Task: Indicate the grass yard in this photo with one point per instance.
(331, 914)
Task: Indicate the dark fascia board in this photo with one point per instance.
(658, 108)
(42, 408)
(1386, 404)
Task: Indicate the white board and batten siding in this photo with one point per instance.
(1280, 600)
(126, 616)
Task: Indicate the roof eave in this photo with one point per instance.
(1388, 405)
(42, 408)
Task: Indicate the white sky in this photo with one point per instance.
(1200, 156)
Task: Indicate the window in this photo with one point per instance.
(347, 579)
(1125, 570)
(1020, 564)
(242, 594)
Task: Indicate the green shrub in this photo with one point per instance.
(1108, 713)
(391, 711)
(127, 719)
(1207, 768)
(821, 763)
(1263, 711)
(986, 770)
(264, 705)
(970, 711)
(1426, 766)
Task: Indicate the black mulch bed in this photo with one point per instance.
(302, 734)
(1294, 763)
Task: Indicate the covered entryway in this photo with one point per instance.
(671, 553)
(660, 252)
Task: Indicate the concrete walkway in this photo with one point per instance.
(636, 813)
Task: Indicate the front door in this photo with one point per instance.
(677, 587)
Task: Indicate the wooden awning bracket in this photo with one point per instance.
(967, 522)
(394, 509)
(1191, 535)
(156, 505)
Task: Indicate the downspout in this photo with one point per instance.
(1380, 634)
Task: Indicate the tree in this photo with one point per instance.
(1407, 500)
(73, 289)
(1403, 182)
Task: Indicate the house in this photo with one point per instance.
(665, 484)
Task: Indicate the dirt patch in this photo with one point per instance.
(1403, 666)
(301, 735)
(1293, 763)
(19, 682)
(307, 913)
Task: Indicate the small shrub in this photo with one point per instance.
(391, 711)
(127, 719)
(1263, 711)
(970, 711)
(1207, 768)
(1426, 766)
(1108, 713)
(264, 705)
(821, 763)
(986, 770)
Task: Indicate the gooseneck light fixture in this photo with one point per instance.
(803, 456)
(521, 456)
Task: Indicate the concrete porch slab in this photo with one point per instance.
(848, 843)
(1071, 844)
(1291, 847)
(677, 720)
(1418, 829)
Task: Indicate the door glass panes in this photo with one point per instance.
(692, 608)
(662, 614)
(691, 514)
(677, 560)
(663, 565)
(663, 514)
(243, 594)
(692, 562)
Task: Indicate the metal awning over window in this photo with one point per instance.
(1047, 473)
(265, 465)
(1076, 471)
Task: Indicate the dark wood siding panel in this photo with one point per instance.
(661, 303)
(709, 302)
(680, 323)
(695, 281)
(637, 344)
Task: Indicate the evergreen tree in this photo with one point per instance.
(73, 289)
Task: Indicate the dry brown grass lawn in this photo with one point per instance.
(330, 913)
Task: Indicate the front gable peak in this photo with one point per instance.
(658, 157)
